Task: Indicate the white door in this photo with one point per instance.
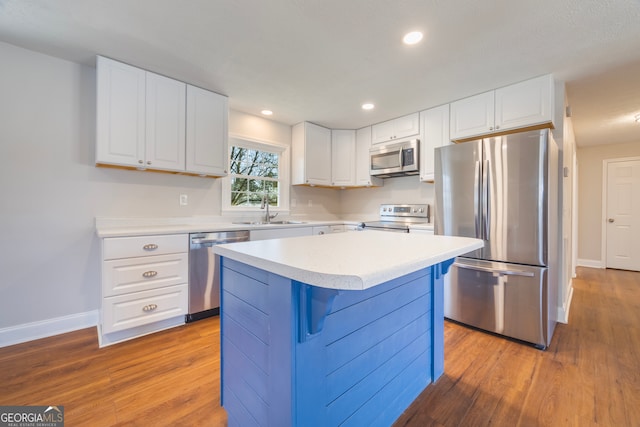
(622, 219)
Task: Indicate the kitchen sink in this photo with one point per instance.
(268, 223)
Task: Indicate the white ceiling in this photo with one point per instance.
(319, 60)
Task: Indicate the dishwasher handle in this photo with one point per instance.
(200, 241)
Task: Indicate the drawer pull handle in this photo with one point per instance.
(150, 247)
(150, 273)
(149, 307)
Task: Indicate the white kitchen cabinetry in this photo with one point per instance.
(401, 127)
(165, 123)
(144, 122)
(343, 158)
(435, 133)
(311, 155)
(120, 123)
(420, 230)
(328, 229)
(279, 233)
(522, 105)
(207, 130)
(144, 285)
(363, 145)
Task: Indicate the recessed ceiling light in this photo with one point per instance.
(368, 106)
(267, 112)
(412, 37)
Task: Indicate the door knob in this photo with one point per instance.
(611, 220)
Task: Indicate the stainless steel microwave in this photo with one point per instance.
(395, 159)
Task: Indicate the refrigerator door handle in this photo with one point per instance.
(486, 200)
(493, 270)
(477, 198)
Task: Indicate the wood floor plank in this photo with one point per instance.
(589, 375)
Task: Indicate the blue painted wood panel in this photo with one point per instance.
(296, 355)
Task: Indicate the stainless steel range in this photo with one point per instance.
(398, 218)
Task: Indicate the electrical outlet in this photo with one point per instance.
(183, 200)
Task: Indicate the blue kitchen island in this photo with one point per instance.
(341, 329)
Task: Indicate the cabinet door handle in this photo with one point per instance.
(150, 273)
(140, 161)
(149, 307)
(611, 220)
(150, 247)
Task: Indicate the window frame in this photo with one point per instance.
(284, 180)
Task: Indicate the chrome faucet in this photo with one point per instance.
(265, 204)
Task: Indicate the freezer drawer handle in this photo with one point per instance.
(491, 270)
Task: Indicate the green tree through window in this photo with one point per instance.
(254, 173)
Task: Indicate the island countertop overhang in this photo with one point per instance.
(348, 261)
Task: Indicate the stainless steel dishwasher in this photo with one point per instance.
(204, 272)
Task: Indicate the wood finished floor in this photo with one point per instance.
(589, 376)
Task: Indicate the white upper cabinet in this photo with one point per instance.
(311, 155)
(402, 127)
(207, 132)
(120, 122)
(472, 116)
(165, 123)
(147, 121)
(435, 133)
(343, 158)
(363, 145)
(526, 104)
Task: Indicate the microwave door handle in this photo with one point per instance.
(400, 158)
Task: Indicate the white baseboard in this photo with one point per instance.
(593, 263)
(563, 312)
(47, 328)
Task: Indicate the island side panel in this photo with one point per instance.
(371, 359)
(256, 340)
(363, 363)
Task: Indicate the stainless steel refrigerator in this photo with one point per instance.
(503, 190)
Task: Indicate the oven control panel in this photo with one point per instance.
(389, 212)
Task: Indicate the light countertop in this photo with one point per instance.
(148, 227)
(349, 261)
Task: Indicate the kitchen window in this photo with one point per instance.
(256, 168)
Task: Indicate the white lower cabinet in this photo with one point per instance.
(328, 229)
(144, 285)
(279, 233)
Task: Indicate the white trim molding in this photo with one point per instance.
(46, 328)
(563, 312)
(605, 184)
(592, 263)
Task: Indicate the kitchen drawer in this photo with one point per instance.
(120, 276)
(140, 308)
(126, 247)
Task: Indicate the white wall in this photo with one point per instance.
(362, 204)
(51, 191)
(590, 221)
